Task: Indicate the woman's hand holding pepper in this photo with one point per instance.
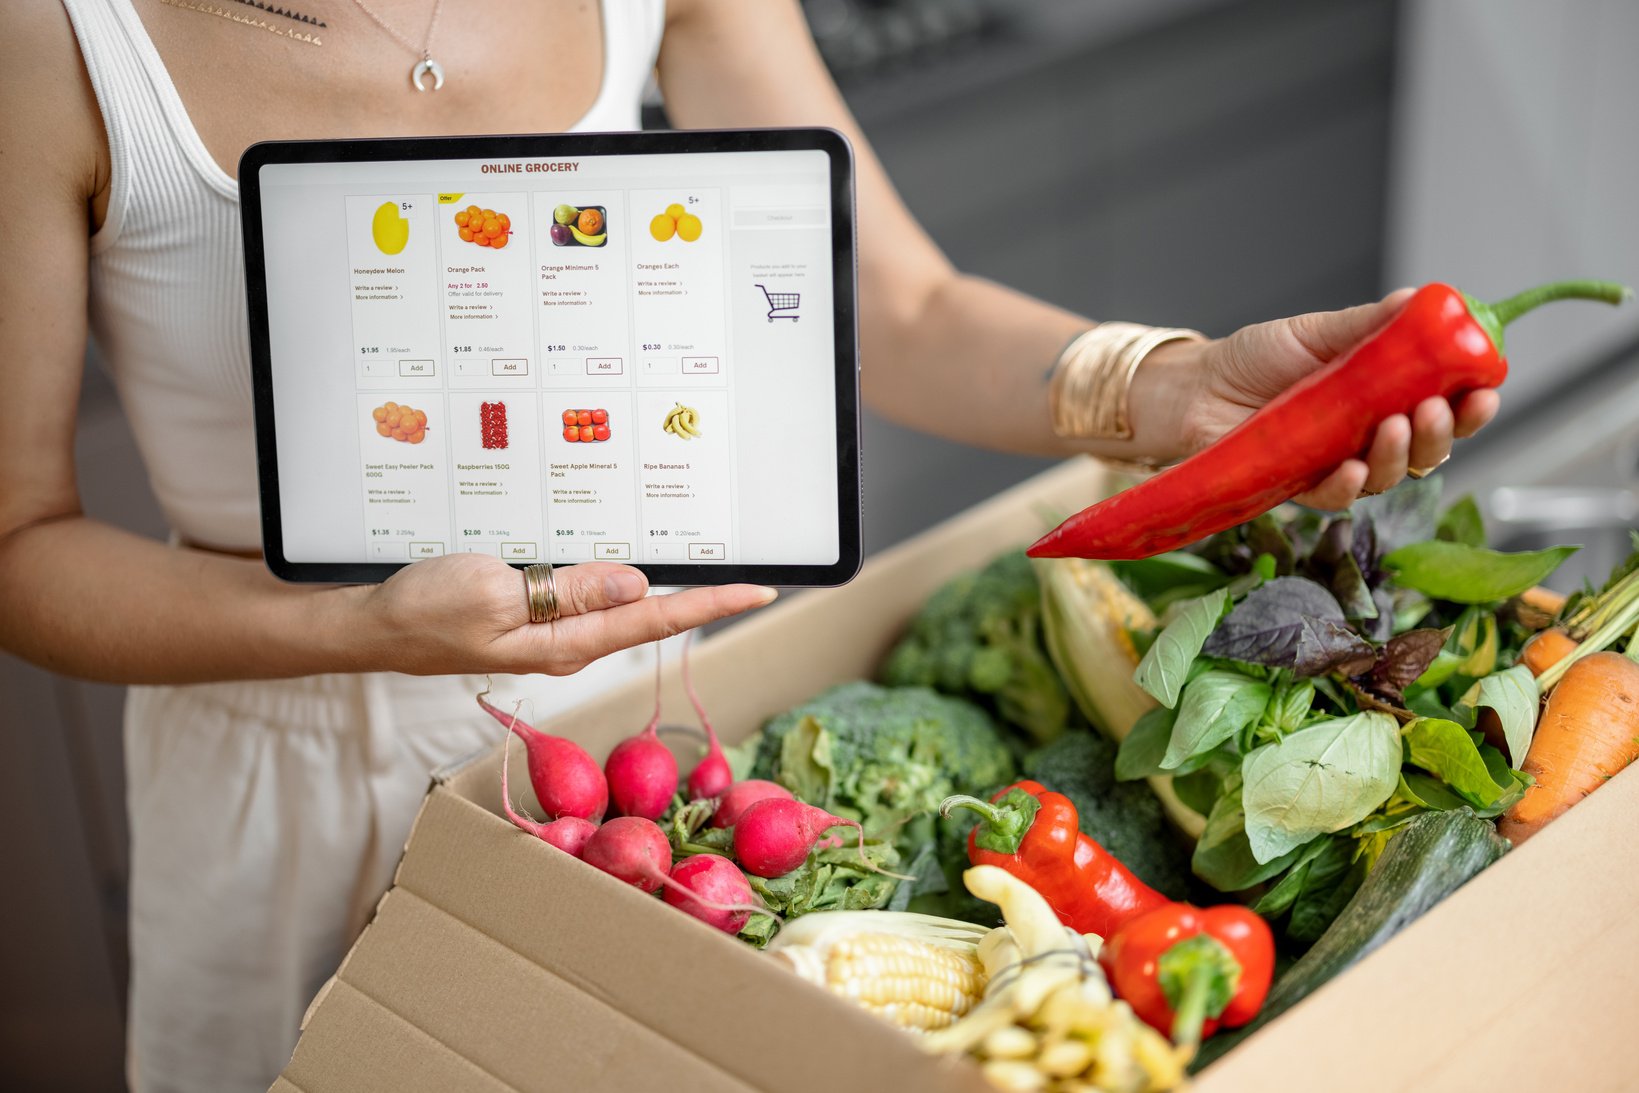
(1195, 392)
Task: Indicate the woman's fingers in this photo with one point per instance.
(596, 586)
(576, 640)
(1476, 409)
(1432, 424)
(1339, 490)
(1390, 454)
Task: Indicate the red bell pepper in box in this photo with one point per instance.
(1185, 971)
(1442, 343)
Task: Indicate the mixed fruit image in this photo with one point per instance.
(389, 229)
(584, 227)
(484, 227)
(675, 221)
(586, 426)
(682, 422)
(401, 423)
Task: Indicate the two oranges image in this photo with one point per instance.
(677, 221)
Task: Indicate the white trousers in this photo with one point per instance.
(266, 822)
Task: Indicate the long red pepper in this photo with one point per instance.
(1035, 835)
(1442, 343)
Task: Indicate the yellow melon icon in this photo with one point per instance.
(390, 230)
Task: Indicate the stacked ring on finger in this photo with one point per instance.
(541, 588)
(1424, 472)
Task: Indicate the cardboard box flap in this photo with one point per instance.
(1521, 980)
(355, 1044)
(481, 1000)
(662, 970)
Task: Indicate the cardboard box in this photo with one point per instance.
(496, 963)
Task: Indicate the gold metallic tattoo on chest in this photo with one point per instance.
(208, 7)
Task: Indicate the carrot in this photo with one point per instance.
(1538, 607)
(1545, 649)
(1588, 733)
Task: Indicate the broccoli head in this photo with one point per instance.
(979, 637)
(1124, 817)
(887, 756)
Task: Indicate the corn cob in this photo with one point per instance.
(916, 971)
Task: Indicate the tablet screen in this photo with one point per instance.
(558, 349)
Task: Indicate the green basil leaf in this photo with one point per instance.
(1166, 665)
(1279, 899)
(1333, 878)
(1477, 641)
(1149, 578)
(1444, 749)
(1318, 780)
(1139, 755)
(1429, 792)
(1290, 708)
(1469, 574)
(1223, 856)
(1442, 668)
(1462, 523)
(1215, 707)
(1512, 693)
(1198, 789)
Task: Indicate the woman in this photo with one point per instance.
(266, 816)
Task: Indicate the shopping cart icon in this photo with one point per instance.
(782, 301)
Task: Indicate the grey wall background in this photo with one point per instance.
(1196, 162)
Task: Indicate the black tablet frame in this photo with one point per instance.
(553, 146)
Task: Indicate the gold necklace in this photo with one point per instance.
(426, 66)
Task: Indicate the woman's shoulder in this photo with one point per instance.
(51, 109)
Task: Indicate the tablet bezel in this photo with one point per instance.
(546, 146)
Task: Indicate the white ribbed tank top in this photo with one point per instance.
(167, 301)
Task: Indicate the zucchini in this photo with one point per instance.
(1427, 860)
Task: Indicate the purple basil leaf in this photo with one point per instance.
(1267, 626)
(1364, 548)
(1326, 646)
(1352, 592)
(1380, 627)
(1264, 536)
(1403, 659)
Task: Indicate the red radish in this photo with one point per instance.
(713, 890)
(641, 771)
(566, 778)
(742, 795)
(632, 849)
(711, 777)
(635, 850)
(567, 833)
(775, 836)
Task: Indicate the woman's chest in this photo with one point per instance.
(245, 72)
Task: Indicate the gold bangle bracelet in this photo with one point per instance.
(1089, 394)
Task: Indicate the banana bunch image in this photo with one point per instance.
(682, 422)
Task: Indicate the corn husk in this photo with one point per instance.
(1088, 618)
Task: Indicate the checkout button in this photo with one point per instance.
(706, 552)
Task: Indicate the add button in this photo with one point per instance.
(706, 552)
(416, 368)
(605, 366)
(426, 550)
(509, 366)
(612, 552)
(518, 552)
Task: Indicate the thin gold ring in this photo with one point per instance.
(541, 589)
(1424, 472)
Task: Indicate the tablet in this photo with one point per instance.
(633, 347)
